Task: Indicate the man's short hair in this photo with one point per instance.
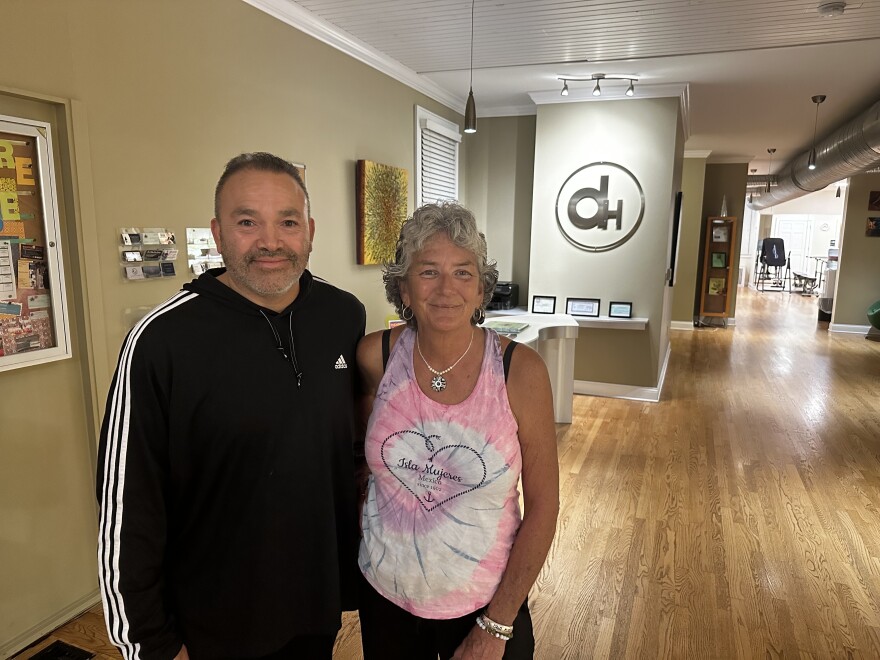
(264, 162)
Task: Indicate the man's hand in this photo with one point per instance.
(479, 645)
(182, 654)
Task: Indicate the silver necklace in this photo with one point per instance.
(438, 382)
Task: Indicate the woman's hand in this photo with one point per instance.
(479, 645)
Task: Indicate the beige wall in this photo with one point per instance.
(693, 175)
(858, 280)
(163, 93)
(499, 175)
(47, 506)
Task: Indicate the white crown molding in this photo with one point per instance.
(686, 112)
(730, 160)
(508, 111)
(303, 20)
(696, 153)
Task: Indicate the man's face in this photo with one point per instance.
(265, 236)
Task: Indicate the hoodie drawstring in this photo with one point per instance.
(280, 346)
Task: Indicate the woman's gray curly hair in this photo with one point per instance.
(460, 226)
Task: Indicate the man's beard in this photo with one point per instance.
(271, 283)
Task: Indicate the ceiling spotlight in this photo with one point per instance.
(770, 151)
(564, 91)
(811, 159)
(630, 90)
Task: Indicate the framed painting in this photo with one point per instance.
(380, 210)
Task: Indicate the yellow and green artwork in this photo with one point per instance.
(381, 210)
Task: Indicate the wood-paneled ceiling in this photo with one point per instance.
(750, 66)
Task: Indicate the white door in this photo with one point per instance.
(794, 230)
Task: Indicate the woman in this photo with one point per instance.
(447, 558)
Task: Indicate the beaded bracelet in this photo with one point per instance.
(502, 632)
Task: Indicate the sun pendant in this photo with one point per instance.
(438, 383)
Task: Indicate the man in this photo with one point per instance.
(225, 477)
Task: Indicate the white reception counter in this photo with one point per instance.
(553, 336)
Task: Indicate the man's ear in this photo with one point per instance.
(215, 231)
(311, 229)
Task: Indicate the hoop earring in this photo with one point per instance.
(403, 312)
(479, 316)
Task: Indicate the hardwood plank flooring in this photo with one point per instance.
(739, 517)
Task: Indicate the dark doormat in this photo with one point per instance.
(62, 651)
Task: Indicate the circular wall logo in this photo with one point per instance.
(600, 206)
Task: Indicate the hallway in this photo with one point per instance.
(739, 517)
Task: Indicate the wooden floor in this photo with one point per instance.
(737, 518)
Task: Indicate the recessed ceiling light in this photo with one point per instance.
(833, 8)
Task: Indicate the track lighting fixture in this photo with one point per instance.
(770, 151)
(811, 159)
(470, 109)
(598, 78)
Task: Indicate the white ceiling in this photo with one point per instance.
(750, 66)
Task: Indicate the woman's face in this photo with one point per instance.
(443, 285)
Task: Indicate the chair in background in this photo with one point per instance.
(773, 257)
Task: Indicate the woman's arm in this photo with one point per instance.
(531, 399)
(370, 368)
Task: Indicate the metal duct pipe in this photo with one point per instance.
(851, 149)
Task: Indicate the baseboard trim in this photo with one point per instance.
(25, 639)
(630, 392)
(849, 329)
(615, 391)
(681, 325)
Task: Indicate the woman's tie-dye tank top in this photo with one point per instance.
(442, 506)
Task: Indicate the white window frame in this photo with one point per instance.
(427, 120)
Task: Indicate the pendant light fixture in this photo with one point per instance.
(470, 110)
(752, 192)
(631, 89)
(597, 91)
(564, 91)
(811, 160)
(770, 151)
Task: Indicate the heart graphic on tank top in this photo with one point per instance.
(433, 473)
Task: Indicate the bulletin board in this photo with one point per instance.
(33, 313)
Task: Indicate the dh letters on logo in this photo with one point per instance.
(602, 215)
